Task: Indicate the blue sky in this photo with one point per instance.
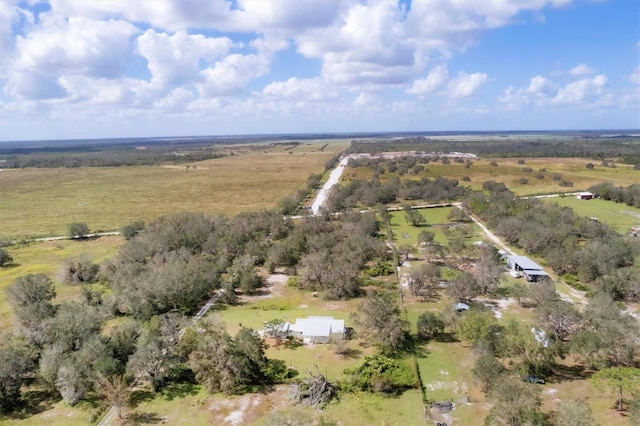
(119, 68)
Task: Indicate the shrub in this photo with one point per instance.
(77, 230)
(378, 373)
(572, 281)
(131, 230)
(5, 257)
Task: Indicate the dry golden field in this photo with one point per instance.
(510, 172)
(41, 202)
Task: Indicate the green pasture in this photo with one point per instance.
(405, 233)
(619, 215)
(436, 220)
(41, 202)
(46, 258)
(372, 409)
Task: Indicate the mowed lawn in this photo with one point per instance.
(41, 202)
(619, 215)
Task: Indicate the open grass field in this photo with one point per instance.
(510, 172)
(620, 216)
(41, 202)
(405, 233)
(192, 405)
(46, 258)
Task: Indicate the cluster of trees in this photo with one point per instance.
(162, 273)
(335, 252)
(62, 347)
(228, 364)
(177, 261)
(371, 192)
(578, 246)
(607, 191)
(483, 278)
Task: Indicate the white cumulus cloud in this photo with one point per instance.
(295, 89)
(542, 93)
(436, 78)
(75, 46)
(175, 59)
(581, 69)
(586, 90)
(466, 85)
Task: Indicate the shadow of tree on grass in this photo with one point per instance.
(142, 418)
(139, 396)
(33, 402)
(179, 390)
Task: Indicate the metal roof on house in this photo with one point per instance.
(318, 326)
(525, 263)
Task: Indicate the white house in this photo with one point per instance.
(318, 329)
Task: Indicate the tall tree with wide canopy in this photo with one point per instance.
(378, 321)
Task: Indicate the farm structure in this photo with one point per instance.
(314, 329)
(585, 196)
(523, 265)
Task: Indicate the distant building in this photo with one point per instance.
(585, 196)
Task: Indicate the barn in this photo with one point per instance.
(585, 196)
(522, 265)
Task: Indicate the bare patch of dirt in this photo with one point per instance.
(499, 306)
(337, 306)
(248, 408)
(274, 287)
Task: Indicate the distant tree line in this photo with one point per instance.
(377, 190)
(625, 148)
(106, 158)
